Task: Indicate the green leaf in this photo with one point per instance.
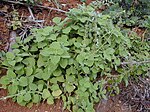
(40, 87)
(56, 20)
(60, 78)
(40, 61)
(50, 100)
(107, 56)
(77, 44)
(80, 58)
(40, 38)
(31, 79)
(55, 48)
(45, 52)
(63, 63)
(12, 89)
(69, 87)
(56, 93)
(86, 70)
(19, 67)
(12, 63)
(88, 62)
(29, 71)
(55, 59)
(23, 81)
(11, 74)
(54, 87)
(57, 72)
(53, 36)
(110, 51)
(10, 56)
(4, 80)
(18, 59)
(27, 97)
(66, 30)
(46, 31)
(30, 61)
(46, 75)
(33, 86)
(36, 98)
(63, 40)
(46, 94)
(20, 98)
(53, 80)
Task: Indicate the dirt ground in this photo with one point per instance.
(114, 104)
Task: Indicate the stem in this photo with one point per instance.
(50, 8)
(6, 97)
(135, 62)
(10, 96)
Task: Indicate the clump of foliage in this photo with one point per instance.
(129, 12)
(73, 60)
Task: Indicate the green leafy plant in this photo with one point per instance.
(73, 61)
(129, 12)
(15, 22)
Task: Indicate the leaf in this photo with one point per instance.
(42, 44)
(81, 57)
(57, 72)
(63, 63)
(30, 61)
(52, 67)
(40, 38)
(55, 59)
(31, 79)
(56, 93)
(29, 71)
(56, 20)
(60, 78)
(55, 48)
(65, 55)
(28, 39)
(50, 100)
(33, 86)
(46, 94)
(46, 31)
(46, 75)
(53, 80)
(40, 87)
(53, 36)
(19, 67)
(27, 97)
(77, 44)
(18, 59)
(63, 40)
(110, 51)
(88, 62)
(40, 61)
(20, 98)
(45, 52)
(36, 98)
(66, 30)
(12, 89)
(11, 74)
(69, 88)
(107, 56)
(10, 56)
(23, 81)
(86, 70)
(12, 63)
(54, 87)
(4, 80)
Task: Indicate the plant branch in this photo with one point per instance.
(135, 62)
(50, 8)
